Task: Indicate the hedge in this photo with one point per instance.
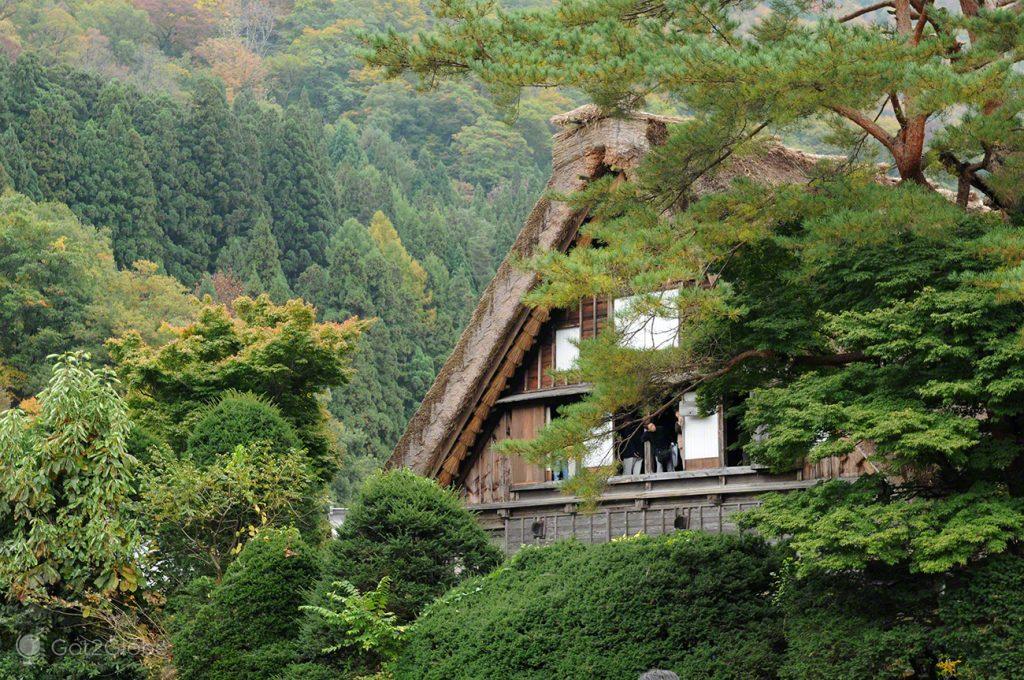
(697, 604)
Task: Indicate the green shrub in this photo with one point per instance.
(308, 671)
(248, 628)
(887, 623)
(692, 603)
(982, 617)
(408, 529)
(857, 626)
(238, 418)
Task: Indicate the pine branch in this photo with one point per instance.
(868, 125)
(824, 360)
(865, 10)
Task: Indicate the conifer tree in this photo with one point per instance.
(299, 190)
(392, 369)
(115, 188)
(20, 175)
(229, 177)
(256, 259)
(184, 215)
(50, 142)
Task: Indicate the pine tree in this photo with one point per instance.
(299, 191)
(115, 189)
(20, 175)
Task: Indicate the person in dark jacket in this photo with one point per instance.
(661, 440)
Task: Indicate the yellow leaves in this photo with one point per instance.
(30, 406)
(60, 245)
(948, 668)
(129, 581)
(234, 63)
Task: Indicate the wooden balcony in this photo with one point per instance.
(704, 500)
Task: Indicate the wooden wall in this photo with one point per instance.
(834, 467)
(535, 372)
(491, 474)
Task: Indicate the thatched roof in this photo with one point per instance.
(501, 328)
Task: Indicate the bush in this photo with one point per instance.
(248, 628)
(886, 623)
(692, 603)
(857, 626)
(238, 418)
(308, 671)
(982, 615)
(405, 528)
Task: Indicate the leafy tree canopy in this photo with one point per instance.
(60, 290)
(201, 516)
(65, 480)
(277, 352)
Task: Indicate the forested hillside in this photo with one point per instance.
(244, 148)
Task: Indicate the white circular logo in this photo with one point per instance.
(28, 646)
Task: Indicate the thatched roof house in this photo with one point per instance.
(496, 383)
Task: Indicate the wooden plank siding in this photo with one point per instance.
(490, 475)
(534, 373)
(606, 524)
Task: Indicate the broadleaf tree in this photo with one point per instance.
(66, 480)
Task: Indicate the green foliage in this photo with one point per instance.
(199, 516)
(248, 627)
(256, 260)
(407, 528)
(403, 528)
(963, 624)
(115, 189)
(70, 646)
(839, 526)
(361, 623)
(691, 603)
(834, 631)
(65, 481)
(17, 169)
(279, 353)
(237, 419)
(845, 314)
(299, 191)
(489, 153)
(247, 192)
(981, 615)
(60, 290)
(739, 74)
